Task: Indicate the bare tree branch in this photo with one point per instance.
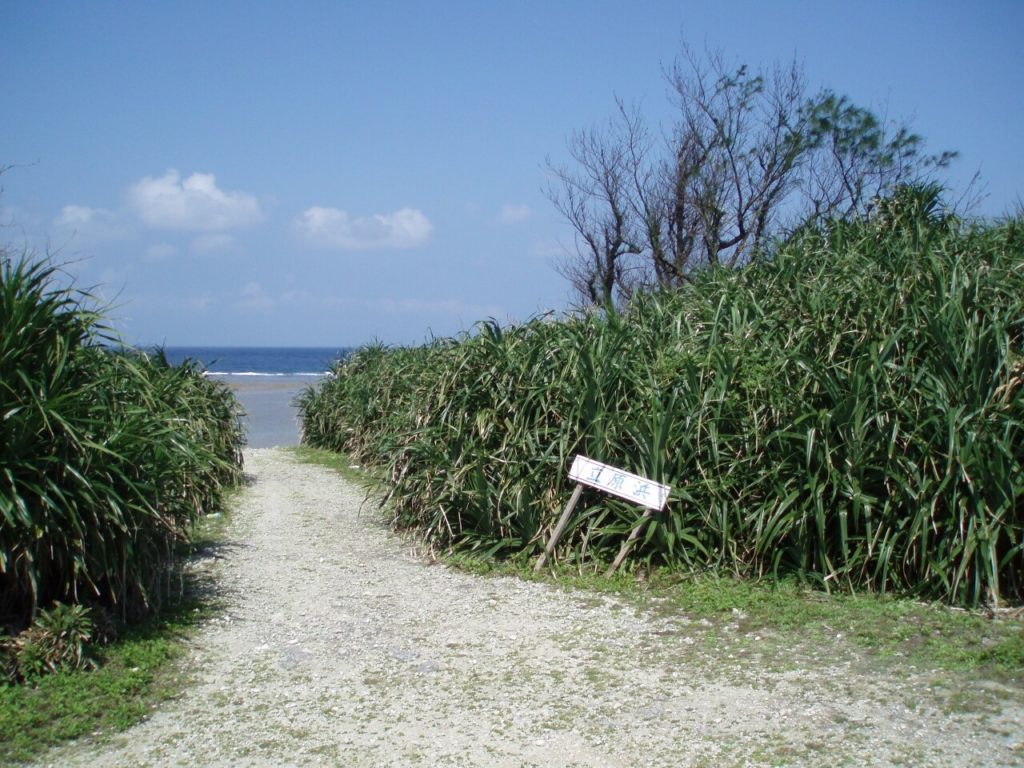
(750, 157)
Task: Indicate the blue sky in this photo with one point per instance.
(307, 173)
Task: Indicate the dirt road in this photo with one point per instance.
(339, 646)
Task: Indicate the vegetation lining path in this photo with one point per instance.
(339, 646)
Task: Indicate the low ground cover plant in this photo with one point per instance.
(847, 408)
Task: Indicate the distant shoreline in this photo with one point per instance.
(266, 381)
(270, 418)
(260, 361)
(300, 375)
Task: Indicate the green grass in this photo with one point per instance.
(340, 463)
(898, 629)
(136, 673)
(929, 635)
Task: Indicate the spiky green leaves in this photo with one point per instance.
(106, 455)
(851, 410)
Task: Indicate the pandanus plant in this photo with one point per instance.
(107, 455)
(848, 408)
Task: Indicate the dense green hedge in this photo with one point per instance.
(106, 456)
(849, 409)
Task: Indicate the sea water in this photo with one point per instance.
(266, 381)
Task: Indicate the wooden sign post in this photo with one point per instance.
(617, 482)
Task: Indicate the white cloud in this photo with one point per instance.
(254, 297)
(397, 306)
(213, 241)
(90, 223)
(514, 214)
(335, 228)
(451, 307)
(79, 215)
(547, 249)
(195, 204)
(159, 252)
(201, 303)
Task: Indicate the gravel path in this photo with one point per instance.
(338, 646)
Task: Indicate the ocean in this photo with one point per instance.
(265, 380)
(260, 361)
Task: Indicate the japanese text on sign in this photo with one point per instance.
(619, 483)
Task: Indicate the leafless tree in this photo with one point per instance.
(749, 157)
(597, 197)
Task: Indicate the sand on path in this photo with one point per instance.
(338, 645)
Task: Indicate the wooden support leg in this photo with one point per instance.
(628, 543)
(559, 528)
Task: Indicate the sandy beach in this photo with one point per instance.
(271, 419)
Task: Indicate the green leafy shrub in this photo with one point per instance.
(106, 454)
(850, 409)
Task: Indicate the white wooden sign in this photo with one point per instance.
(618, 482)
